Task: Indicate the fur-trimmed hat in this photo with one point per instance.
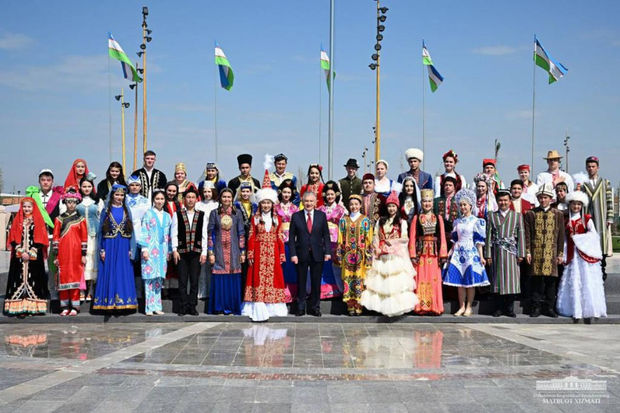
(578, 196)
(266, 194)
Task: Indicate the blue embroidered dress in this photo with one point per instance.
(115, 289)
(155, 239)
(465, 268)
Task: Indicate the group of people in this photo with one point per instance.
(252, 247)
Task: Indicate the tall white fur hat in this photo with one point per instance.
(414, 153)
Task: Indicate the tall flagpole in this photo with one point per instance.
(135, 125)
(533, 99)
(330, 155)
(320, 106)
(122, 98)
(378, 101)
(215, 110)
(423, 112)
(110, 108)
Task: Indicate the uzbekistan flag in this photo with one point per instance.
(227, 78)
(325, 66)
(434, 77)
(555, 69)
(116, 52)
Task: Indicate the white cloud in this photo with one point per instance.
(500, 50)
(73, 72)
(15, 41)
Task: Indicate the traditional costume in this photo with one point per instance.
(104, 186)
(236, 182)
(601, 209)
(371, 203)
(390, 281)
(115, 288)
(447, 207)
(316, 188)
(189, 240)
(386, 186)
(520, 205)
(485, 203)
(171, 207)
(423, 179)
(156, 240)
(285, 211)
(459, 180)
(529, 187)
(26, 290)
(70, 245)
(331, 281)
(465, 268)
(554, 177)
(218, 183)
(409, 203)
(350, 186)
(264, 295)
(494, 181)
(182, 186)
(427, 243)
(544, 234)
(205, 269)
(276, 180)
(150, 180)
(505, 244)
(90, 209)
(227, 244)
(354, 256)
(581, 293)
(73, 178)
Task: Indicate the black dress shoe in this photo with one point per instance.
(535, 312)
(299, 313)
(316, 313)
(182, 312)
(551, 313)
(192, 312)
(497, 313)
(510, 314)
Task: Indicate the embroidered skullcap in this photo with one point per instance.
(578, 196)
(466, 195)
(211, 165)
(592, 159)
(546, 189)
(503, 192)
(414, 153)
(524, 167)
(355, 196)
(488, 161)
(368, 176)
(134, 179)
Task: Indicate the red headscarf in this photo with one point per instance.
(73, 179)
(40, 232)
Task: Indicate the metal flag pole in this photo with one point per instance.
(533, 99)
(423, 112)
(330, 155)
(320, 105)
(110, 109)
(121, 97)
(378, 100)
(135, 124)
(215, 87)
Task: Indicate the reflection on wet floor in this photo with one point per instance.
(78, 342)
(345, 346)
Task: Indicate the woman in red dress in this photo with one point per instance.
(315, 183)
(79, 169)
(70, 243)
(264, 289)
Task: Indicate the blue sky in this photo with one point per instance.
(55, 95)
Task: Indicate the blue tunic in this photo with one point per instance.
(115, 289)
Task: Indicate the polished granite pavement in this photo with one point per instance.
(239, 367)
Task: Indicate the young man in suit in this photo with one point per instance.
(310, 246)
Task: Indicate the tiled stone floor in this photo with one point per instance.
(236, 367)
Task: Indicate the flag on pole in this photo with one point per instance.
(116, 51)
(227, 78)
(434, 77)
(543, 59)
(325, 64)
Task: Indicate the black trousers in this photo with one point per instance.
(544, 291)
(189, 270)
(505, 303)
(316, 269)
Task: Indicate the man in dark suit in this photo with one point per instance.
(309, 245)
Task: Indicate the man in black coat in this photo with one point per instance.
(310, 246)
(150, 178)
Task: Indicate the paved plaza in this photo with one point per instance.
(315, 367)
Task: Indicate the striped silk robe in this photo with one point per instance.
(601, 208)
(505, 243)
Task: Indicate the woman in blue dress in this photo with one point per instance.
(115, 288)
(155, 243)
(226, 254)
(466, 266)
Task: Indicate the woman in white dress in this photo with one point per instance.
(384, 185)
(208, 202)
(581, 293)
(90, 207)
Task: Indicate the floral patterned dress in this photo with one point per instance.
(155, 238)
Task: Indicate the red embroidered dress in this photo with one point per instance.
(265, 281)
